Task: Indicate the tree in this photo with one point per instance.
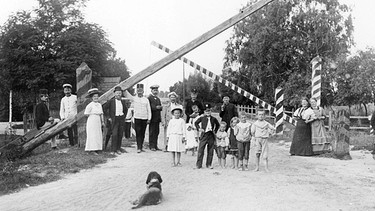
(208, 91)
(274, 47)
(42, 48)
(355, 79)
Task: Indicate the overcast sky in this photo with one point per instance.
(131, 25)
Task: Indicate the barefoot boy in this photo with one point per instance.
(260, 131)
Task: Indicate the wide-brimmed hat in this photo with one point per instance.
(178, 107)
(67, 85)
(172, 93)
(92, 91)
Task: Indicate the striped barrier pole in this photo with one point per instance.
(316, 79)
(84, 75)
(279, 98)
(226, 83)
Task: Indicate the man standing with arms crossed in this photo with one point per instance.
(68, 108)
(154, 126)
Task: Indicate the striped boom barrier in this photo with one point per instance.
(279, 98)
(84, 75)
(226, 83)
(316, 79)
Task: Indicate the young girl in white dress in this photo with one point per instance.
(95, 122)
(192, 132)
(176, 133)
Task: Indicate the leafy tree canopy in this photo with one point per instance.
(274, 47)
(42, 48)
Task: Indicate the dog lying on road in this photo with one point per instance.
(153, 194)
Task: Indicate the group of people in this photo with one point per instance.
(309, 137)
(185, 128)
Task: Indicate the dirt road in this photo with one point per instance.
(294, 183)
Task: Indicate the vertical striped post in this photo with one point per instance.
(84, 75)
(340, 127)
(279, 98)
(316, 79)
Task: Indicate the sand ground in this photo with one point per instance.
(294, 183)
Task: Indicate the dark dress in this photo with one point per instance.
(301, 143)
(232, 143)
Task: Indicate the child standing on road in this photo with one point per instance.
(191, 139)
(261, 130)
(222, 143)
(233, 148)
(176, 133)
(243, 137)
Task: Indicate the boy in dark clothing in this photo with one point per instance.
(42, 117)
(210, 126)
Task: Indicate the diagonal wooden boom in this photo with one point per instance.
(226, 83)
(153, 68)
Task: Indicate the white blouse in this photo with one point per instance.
(94, 108)
(304, 113)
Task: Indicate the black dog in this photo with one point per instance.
(153, 194)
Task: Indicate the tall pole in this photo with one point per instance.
(10, 111)
(183, 82)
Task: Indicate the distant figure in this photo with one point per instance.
(68, 109)
(42, 118)
(301, 142)
(227, 111)
(261, 130)
(117, 111)
(192, 101)
(95, 123)
(154, 125)
(142, 116)
(167, 115)
(128, 120)
(176, 134)
(208, 127)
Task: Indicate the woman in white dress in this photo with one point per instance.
(176, 134)
(95, 122)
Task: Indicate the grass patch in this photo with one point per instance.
(45, 165)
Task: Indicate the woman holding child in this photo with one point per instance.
(301, 144)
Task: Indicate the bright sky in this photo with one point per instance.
(132, 25)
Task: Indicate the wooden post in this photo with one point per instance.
(341, 133)
(84, 83)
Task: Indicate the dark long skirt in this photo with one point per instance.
(301, 144)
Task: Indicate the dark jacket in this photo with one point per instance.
(112, 108)
(41, 114)
(204, 120)
(228, 113)
(189, 110)
(155, 113)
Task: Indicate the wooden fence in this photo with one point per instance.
(357, 122)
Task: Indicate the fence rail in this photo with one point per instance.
(252, 111)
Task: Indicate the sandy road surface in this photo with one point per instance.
(294, 183)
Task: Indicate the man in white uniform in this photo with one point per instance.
(68, 108)
(142, 116)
